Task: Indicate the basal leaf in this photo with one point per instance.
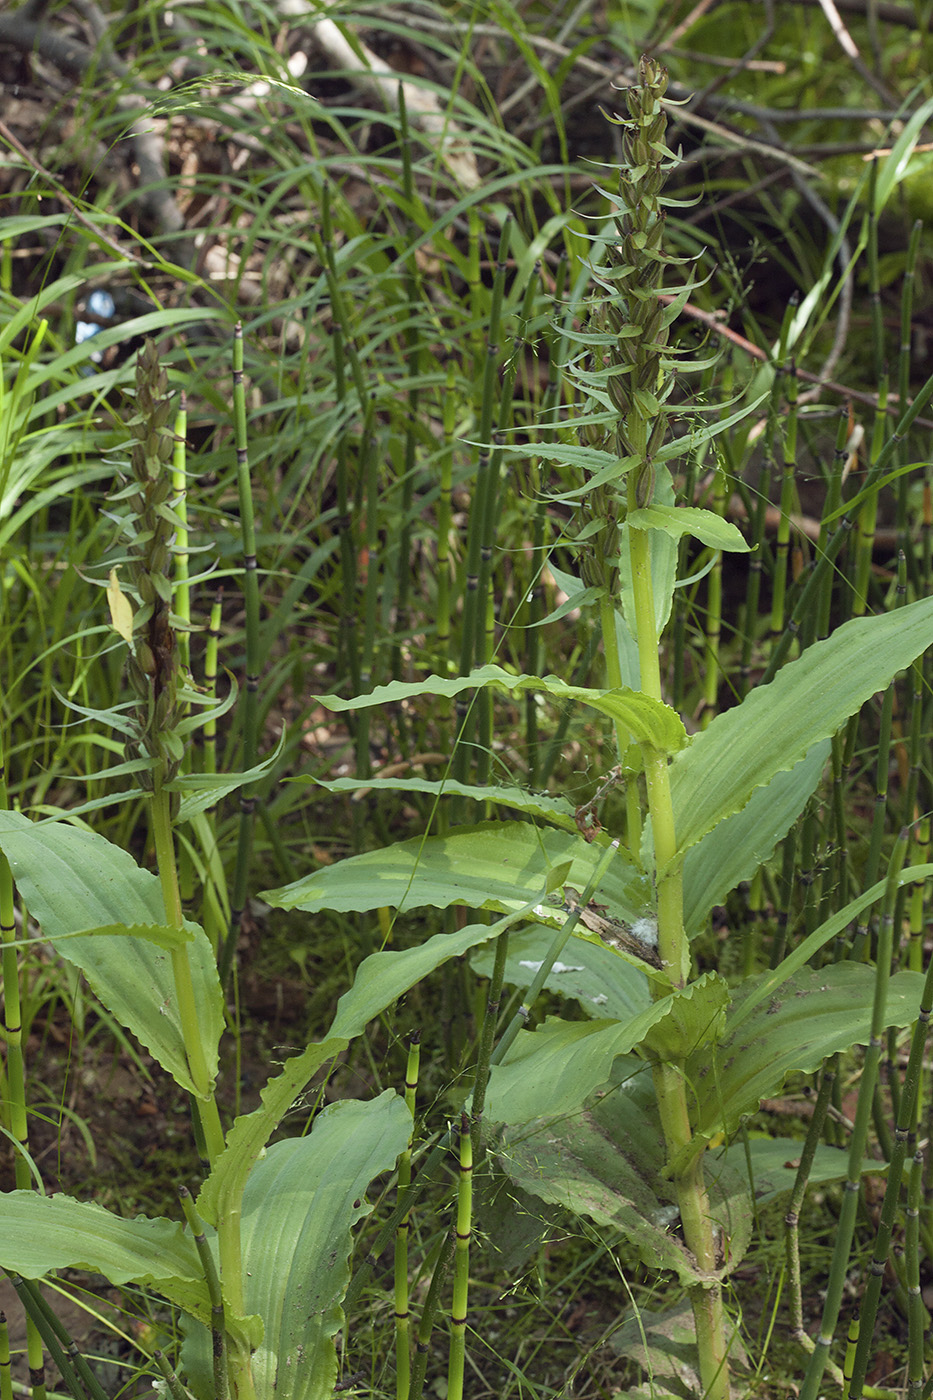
(39, 1234)
(74, 880)
(301, 1201)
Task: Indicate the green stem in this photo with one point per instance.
(669, 1076)
(458, 1312)
(181, 971)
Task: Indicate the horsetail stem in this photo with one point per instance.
(904, 1136)
(249, 700)
(210, 678)
(916, 1311)
(429, 1313)
(788, 501)
(212, 1279)
(458, 1312)
(6, 1376)
(175, 1387)
(13, 1112)
(859, 1135)
(402, 1312)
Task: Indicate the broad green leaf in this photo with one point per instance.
(494, 865)
(39, 1234)
(71, 880)
(607, 1160)
(605, 984)
(554, 1069)
(648, 721)
(774, 1163)
(812, 1015)
(693, 1015)
(539, 804)
(767, 983)
(301, 1201)
(222, 1193)
(703, 525)
(776, 725)
(383, 977)
(736, 847)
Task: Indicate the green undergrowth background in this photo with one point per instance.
(405, 332)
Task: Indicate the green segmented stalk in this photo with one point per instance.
(249, 698)
(348, 643)
(903, 1139)
(837, 871)
(430, 1309)
(868, 515)
(445, 525)
(756, 563)
(412, 357)
(176, 1389)
(919, 855)
(792, 1216)
(370, 474)
(824, 601)
(6, 1362)
(218, 1329)
(902, 521)
(826, 561)
(458, 1312)
(788, 501)
(785, 895)
(859, 1135)
(486, 601)
(482, 520)
(916, 1312)
(486, 1042)
(74, 1368)
(402, 1302)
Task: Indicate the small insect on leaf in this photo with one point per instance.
(121, 609)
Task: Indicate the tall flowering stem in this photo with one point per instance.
(629, 387)
(147, 523)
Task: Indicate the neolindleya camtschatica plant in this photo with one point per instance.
(666, 1064)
